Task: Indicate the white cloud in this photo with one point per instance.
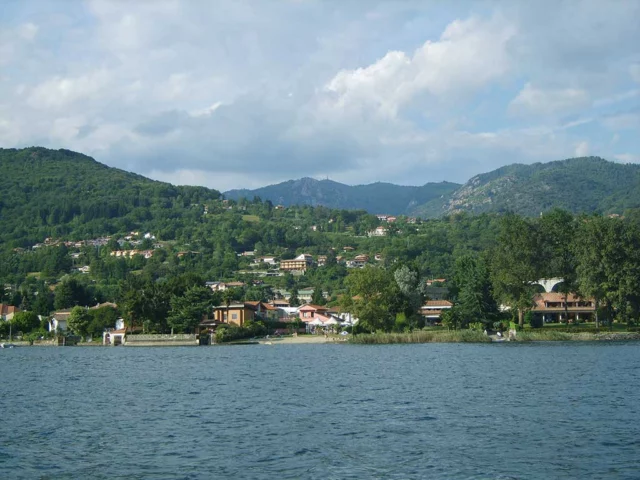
(469, 54)
(246, 93)
(582, 149)
(61, 91)
(538, 101)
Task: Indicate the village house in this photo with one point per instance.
(432, 309)
(131, 253)
(58, 321)
(222, 286)
(379, 232)
(358, 262)
(7, 312)
(551, 307)
(234, 313)
(241, 312)
(279, 303)
(309, 311)
(298, 265)
(268, 259)
(305, 294)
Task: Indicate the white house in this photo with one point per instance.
(58, 322)
(379, 232)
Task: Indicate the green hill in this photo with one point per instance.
(50, 193)
(375, 198)
(587, 184)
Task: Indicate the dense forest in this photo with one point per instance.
(64, 216)
(59, 193)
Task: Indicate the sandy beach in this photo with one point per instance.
(304, 339)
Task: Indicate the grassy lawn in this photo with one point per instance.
(251, 218)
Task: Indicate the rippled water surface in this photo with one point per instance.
(552, 410)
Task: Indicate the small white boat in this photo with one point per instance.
(7, 345)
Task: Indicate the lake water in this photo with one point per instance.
(546, 410)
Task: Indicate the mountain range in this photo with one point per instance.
(585, 184)
(374, 198)
(52, 192)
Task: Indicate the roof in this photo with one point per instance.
(574, 303)
(280, 300)
(325, 319)
(105, 304)
(236, 306)
(313, 307)
(8, 309)
(559, 297)
(438, 303)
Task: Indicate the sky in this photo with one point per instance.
(241, 94)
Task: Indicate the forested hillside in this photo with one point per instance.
(579, 185)
(384, 198)
(55, 193)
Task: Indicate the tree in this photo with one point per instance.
(557, 233)
(294, 301)
(100, 319)
(79, 320)
(516, 264)
(25, 322)
(413, 293)
(608, 264)
(375, 291)
(187, 311)
(44, 302)
(69, 293)
(473, 296)
(317, 298)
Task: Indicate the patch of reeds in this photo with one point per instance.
(543, 336)
(421, 336)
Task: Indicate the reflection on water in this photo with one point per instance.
(550, 410)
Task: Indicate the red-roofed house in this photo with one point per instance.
(432, 309)
(308, 312)
(7, 311)
(552, 307)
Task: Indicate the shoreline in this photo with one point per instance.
(384, 339)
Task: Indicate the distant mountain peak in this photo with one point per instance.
(374, 197)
